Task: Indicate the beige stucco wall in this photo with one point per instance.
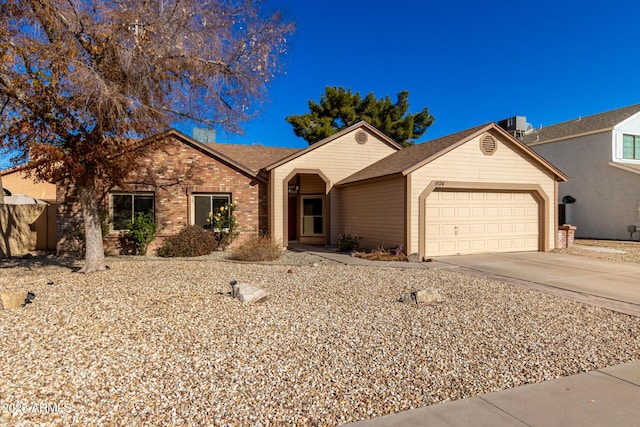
(607, 198)
(375, 212)
(336, 160)
(467, 164)
(19, 183)
(25, 228)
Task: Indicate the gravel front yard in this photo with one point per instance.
(631, 250)
(159, 342)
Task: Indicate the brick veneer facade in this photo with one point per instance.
(173, 174)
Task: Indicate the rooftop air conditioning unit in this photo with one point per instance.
(514, 124)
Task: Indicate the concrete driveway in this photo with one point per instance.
(614, 285)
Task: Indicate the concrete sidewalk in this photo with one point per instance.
(606, 397)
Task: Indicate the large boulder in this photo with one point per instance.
(248, 294)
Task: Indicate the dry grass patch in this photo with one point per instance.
(257, 248)
(382, 254)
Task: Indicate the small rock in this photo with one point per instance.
(425, 296)
(30, 297)
(290, 270)
(315, 264)
(248, 294)
(409, 297)
(428, 296)
(14, 299)
(414, 257)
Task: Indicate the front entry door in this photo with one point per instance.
(293, 218)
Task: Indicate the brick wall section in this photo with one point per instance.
(566, 236)
(173, 173)
(69, 220)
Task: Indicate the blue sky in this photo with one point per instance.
(469, 62)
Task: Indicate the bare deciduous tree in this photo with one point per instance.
(82, 82)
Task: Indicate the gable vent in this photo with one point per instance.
(488, 144)
(361, 137)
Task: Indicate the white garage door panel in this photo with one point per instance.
(476, 222)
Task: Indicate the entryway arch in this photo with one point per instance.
(306, 207)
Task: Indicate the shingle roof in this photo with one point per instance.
(253, 156)
(409, 157)
(247, 158)
(584, 125)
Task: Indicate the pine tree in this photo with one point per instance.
(340, 108)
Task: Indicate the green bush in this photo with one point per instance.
(142, 230)
(348, 242)
(223, 225)
(192, 240)
(257, 248)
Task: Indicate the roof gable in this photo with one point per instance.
(360, 125)
(248, 159)
(411, 158)
(595, 123)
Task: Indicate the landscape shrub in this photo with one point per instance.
(257, 248)
(223, 225)
(191, 241)
(348, 242)
(142, 230)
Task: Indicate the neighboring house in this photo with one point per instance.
(27, 222)
(479, 190)
(601, 155)
(17, 183)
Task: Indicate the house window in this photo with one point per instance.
(312, 218)
(124, 207)
(631, 147)
(205, 203)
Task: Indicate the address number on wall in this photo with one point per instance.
(439, 183)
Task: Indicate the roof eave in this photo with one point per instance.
(624, 167)
(578, 135)
(345, 182)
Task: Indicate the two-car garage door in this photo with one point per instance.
(464, 222)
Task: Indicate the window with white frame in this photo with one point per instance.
(125, 206)
(631, 147)
(203, 204)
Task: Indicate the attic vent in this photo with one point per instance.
(361, 137)
(488, 144)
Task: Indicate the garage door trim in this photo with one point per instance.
(534, 189)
